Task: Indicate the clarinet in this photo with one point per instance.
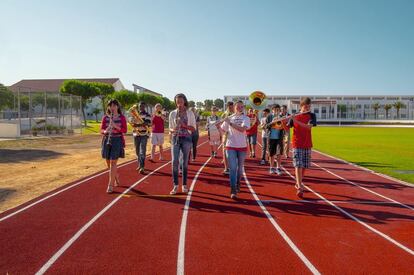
(109, 140)
(177, 122)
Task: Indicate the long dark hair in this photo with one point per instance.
(183, 97)
(108, 107)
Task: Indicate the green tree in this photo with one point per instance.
(96, 110)
(6, 97)
(199, 105)
(398, 106)
(191, 103)
(218, 102)
(376, 106)
(341, 109)
(150, 100)
(387, 108)
(167, 103)
(126, 98)
(104, 92)
(208, 103)
(83, 89)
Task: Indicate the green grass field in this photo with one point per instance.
(386, 150)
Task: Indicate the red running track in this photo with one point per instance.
(82, 230)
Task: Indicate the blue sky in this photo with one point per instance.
(211, 48)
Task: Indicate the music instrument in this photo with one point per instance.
(281, 124)
(258, 100)
(136, 121)
(109, 140)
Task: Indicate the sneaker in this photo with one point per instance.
(233, 196)
(278, 171)
(226, 171)
(254, 156)
(272, 170)
(174, 190)
(185, 189)
(262, 162)
(142, 171)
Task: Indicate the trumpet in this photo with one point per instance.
(281, 124)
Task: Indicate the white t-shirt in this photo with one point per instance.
(262, 124)
(235, 138)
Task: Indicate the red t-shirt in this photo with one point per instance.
(302, 137)
(252, 130)
(157, 124)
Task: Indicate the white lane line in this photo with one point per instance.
(386, 237)
(59, 253)
(70, 187)
(337, 202)
(282, 233)
(364, 188)
(368, 170)
(183, 228)
(58, 192)
(65, 247)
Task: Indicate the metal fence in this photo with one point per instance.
(41, 113)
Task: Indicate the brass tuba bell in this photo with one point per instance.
(257, 100)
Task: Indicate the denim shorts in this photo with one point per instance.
(252, 139)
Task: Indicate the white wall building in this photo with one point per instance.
(345, 108)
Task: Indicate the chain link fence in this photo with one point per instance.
(33, 113)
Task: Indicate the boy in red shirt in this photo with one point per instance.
(302, 124)
(252, 132)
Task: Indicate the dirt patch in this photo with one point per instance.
(30, 168)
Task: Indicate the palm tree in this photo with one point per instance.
(96, 111)
(376, 107)
(398, 105)
(387, 108)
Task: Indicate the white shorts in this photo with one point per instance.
(157, 138)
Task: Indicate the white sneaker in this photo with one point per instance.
(174, 190)
(272, 170)
(185, 189)
(233, 196)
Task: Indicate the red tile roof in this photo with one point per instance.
(52, 85)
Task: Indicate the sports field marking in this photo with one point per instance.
(366, 169)
(60, 191)
(364, 188)
(73, 185)
(183, 227)
(337, 202)
(385, 236)
(282, 233)
(59, 253)
(65, 247)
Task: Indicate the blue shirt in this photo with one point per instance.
(274, 133)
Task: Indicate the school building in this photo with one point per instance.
(347, 108)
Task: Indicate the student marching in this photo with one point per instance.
(235, 130)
